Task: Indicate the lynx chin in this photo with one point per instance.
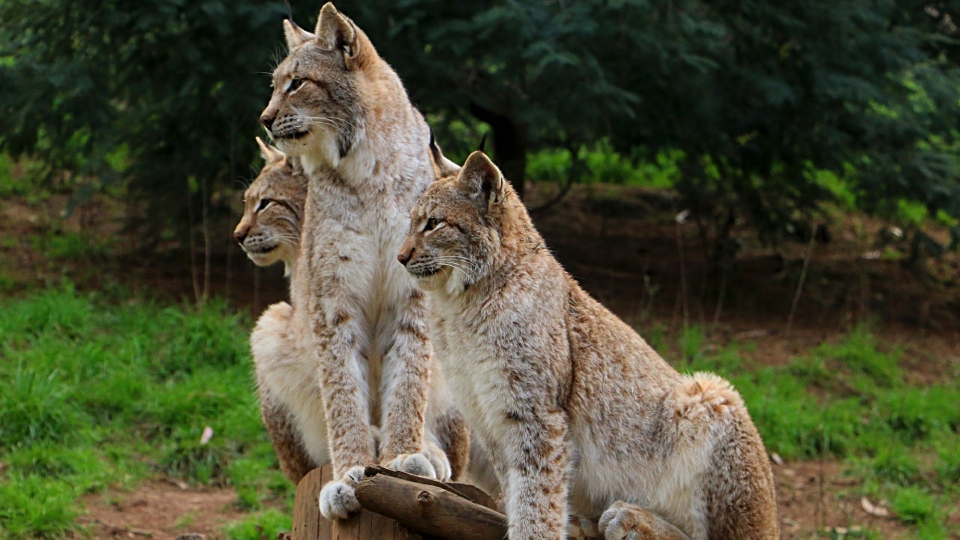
(578, 413)
(344, 113)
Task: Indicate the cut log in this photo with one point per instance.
(430, 509)
(400, 506)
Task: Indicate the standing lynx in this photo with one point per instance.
(290, 400)
(269, 232)
(576, 409)
(343, 111)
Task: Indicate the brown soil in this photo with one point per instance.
(160, 510)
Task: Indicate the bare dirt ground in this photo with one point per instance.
(633, 264)
(158, 510)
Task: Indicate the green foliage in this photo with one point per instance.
(35, 506)
(101, 394)
(8, 185)
(605, 165)
(749, 109)
(151, 92)
(35, 408)
(760, 99)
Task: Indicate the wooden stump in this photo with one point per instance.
(309, 524)
(400, 506)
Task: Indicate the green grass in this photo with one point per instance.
(850, 400)
(256, 527)
(105, 392)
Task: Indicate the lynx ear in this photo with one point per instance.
(442, 167)
(270, 153)
(336, 31)
(479, 177)
(295, 35)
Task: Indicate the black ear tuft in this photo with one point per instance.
(483, 143)
(289, 10)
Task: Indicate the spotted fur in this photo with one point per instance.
(579, 414)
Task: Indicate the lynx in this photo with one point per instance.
(576, 410)
(290, 399)
(269, 232)
(344, 112)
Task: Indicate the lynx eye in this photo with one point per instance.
(431, 224)
(264, 203)
(295, 85)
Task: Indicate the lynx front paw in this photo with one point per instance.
(417, 464)
(624, 521)
(338, 499)
(438, 458)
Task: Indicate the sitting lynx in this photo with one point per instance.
(576, 409)
(269, 232)
(343, 111)
(290, 399)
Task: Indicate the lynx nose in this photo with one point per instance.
(239, 236)
(267, 120)
(405, 256)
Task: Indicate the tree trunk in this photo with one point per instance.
(509, 145)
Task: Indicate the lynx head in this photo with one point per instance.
(273, 210)
(315, 106)
(462, 226)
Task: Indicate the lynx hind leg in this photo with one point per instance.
(438, 458)
(480, 470)
(581, 528)
(338, 499)
(739, 482)
(453, 438)
(286, 438)
(623, 521)
(270, 343)
(705, 402)
(274, 321)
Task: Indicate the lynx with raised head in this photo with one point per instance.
(343, 111)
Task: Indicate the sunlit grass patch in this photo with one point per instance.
(104, 392)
